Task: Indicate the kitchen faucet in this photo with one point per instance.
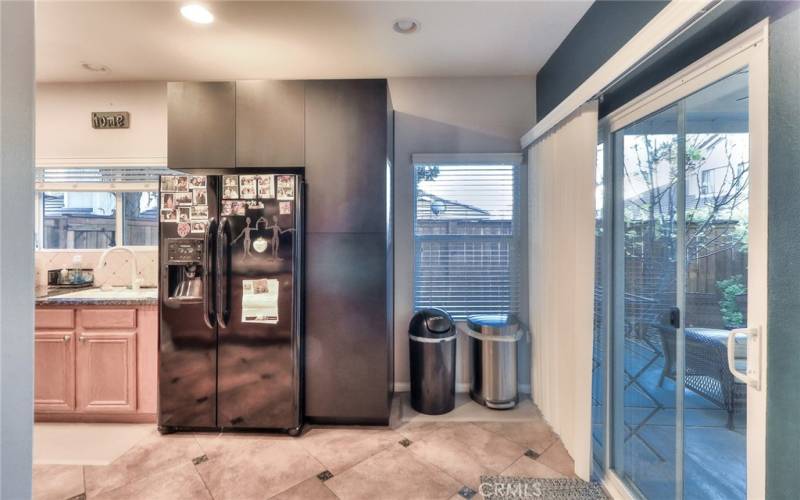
(135, 281)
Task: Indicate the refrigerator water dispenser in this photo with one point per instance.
(184, 270)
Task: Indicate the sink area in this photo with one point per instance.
(117, 295)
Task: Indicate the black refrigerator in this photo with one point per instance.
(231, 301)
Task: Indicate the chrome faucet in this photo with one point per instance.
(135, 281)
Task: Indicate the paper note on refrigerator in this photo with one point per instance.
(260, 301)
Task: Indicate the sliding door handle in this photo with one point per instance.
(675, 317)
(752, 376)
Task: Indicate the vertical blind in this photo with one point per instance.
(562, 232)
(466, 237)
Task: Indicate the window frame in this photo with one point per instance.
(518, 237)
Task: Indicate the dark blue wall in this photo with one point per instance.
(605, 27)
(783, 398)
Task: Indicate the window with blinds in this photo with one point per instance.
(81, 208)
(466, 235)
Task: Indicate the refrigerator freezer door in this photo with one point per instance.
(187, 362)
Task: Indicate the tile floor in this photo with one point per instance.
(425, 459)
(84, 444)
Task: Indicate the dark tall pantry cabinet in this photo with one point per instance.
(339, 135)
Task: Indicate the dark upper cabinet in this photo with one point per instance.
(346, 156)
(201, 125)
(270, 123)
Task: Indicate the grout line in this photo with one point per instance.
(202, 480)
(291, 486)
(421, 459)
(383, 448)
(328, 488)
(149, 475)
(433, 465)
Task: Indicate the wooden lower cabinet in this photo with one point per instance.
(106, 372)
(55, 371)
(94, 364)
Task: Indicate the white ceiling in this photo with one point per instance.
(147, 40)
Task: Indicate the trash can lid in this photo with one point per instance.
(494, 324)
(430, 322)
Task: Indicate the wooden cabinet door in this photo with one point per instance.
(106, 371)
(201, 125)
(270, 123)
(55, 371)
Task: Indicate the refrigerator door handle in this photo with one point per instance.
(208, 314)
(222, 273)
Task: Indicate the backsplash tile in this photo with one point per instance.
(116, 272)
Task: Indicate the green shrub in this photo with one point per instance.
(730, 289)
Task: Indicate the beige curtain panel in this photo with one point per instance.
(562, 203)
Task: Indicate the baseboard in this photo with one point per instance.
(113, 418)
(461, 388)
(406, 387)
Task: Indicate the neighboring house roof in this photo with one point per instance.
(430, 206)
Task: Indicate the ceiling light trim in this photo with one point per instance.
(406, 26)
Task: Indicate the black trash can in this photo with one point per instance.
(432, 352)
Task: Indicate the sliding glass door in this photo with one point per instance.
(716, 229)
(680, 267)
(646, 153)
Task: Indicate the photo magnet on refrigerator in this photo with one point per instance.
(285, 187)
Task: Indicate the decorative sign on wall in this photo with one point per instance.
(111, 119)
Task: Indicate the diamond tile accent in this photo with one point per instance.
(531, 454)
(200, 459)
(405, 442)
(467, 492)
(324, 475)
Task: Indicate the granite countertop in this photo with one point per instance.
(118, 296)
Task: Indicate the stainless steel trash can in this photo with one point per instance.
(493, 355)
(432, 354)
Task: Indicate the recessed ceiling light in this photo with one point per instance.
(406, 26)
(197, 14)
(100, 68)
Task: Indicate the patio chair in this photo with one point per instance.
(707, 372)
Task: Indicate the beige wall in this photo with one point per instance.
(64, 132)
(64, 136)
(448, 115)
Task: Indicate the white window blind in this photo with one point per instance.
(99, 179)
(466, 233)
